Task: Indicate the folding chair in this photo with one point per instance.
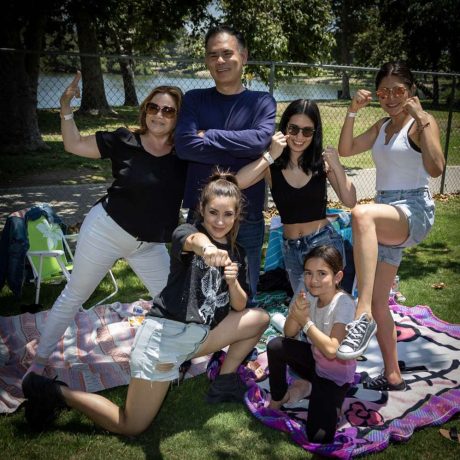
(50, 255)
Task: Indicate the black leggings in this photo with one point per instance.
(326, 397)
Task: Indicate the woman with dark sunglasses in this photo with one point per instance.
(137, 216)
(297, 176)
(407, 151)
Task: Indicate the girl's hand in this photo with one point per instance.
(331, 157)
(300, 310)
(279, 142)
(413, 107)
(361, 98)
(215, 257)
(71, 91)
(231, 273)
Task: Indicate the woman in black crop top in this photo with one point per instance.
(136, 217)
(297, 180)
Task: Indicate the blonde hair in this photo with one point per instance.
(173, 91)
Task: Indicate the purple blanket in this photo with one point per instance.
(429, 351)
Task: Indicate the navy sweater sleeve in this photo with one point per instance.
(239, 129)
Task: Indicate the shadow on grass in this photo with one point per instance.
(427, 259)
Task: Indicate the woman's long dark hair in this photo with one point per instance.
(311, 160)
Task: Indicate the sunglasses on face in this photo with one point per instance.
(396, 91)
(152, 109)
(306, 132)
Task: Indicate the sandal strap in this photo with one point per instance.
(453, 433)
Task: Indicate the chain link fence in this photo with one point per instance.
(330, 86)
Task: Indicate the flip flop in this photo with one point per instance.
(258, 370)
(451, 434)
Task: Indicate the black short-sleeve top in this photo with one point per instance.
(147, 191)
(299, 205)
(196, 292)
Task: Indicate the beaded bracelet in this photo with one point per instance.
(208, 246)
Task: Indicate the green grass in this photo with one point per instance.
(186, 427)
(57, 159)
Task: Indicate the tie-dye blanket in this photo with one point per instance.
(429, 353)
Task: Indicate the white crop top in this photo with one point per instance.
(398, 165)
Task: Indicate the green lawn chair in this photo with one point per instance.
(50, 255)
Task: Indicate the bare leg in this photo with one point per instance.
(142, 405)
(241, 330)
(386, 330)
(373, 224)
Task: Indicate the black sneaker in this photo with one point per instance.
(380, 383)
(226, 388)
(359, 334)
(44, 400)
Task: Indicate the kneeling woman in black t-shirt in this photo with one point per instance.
(201, 310)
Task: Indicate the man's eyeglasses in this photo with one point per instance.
(397, 92)
(306, 132)
(152, 109)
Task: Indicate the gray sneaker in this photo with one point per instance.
(359, 334)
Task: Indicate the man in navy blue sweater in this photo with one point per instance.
(227, 126)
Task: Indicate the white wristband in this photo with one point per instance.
(307, 326)
(67, 116)
(268, 157)
(352, 114)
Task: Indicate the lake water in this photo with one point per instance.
(51, 86)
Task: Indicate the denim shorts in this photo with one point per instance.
(418, 206)
(295, 250)
(161, 340)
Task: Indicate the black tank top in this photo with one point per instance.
(299, 205)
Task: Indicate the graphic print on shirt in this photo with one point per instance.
(210, 284)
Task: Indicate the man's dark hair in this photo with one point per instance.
(223, 28)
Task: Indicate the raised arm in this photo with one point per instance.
(340, 182)
(223, 146)
(427, 137)
(349, 145)
(259, 169)
(74, 142)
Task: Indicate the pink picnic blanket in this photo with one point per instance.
(92, 355)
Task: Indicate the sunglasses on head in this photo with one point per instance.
(306, 132)
(152, 109)
(396, 91)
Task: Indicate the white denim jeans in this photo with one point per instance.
(101, 243)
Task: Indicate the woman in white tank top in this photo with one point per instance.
(406, 149)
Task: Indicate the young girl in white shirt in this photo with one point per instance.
(320, 316)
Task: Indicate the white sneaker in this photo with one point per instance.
(359, 334)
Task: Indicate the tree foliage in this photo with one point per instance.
(292, 30)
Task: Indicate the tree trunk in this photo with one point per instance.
(345, 50)
(127, 73)
(435, 90)
(93, 93)
(19, 129)
(345, 86)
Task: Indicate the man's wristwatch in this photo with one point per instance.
(268, 157)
